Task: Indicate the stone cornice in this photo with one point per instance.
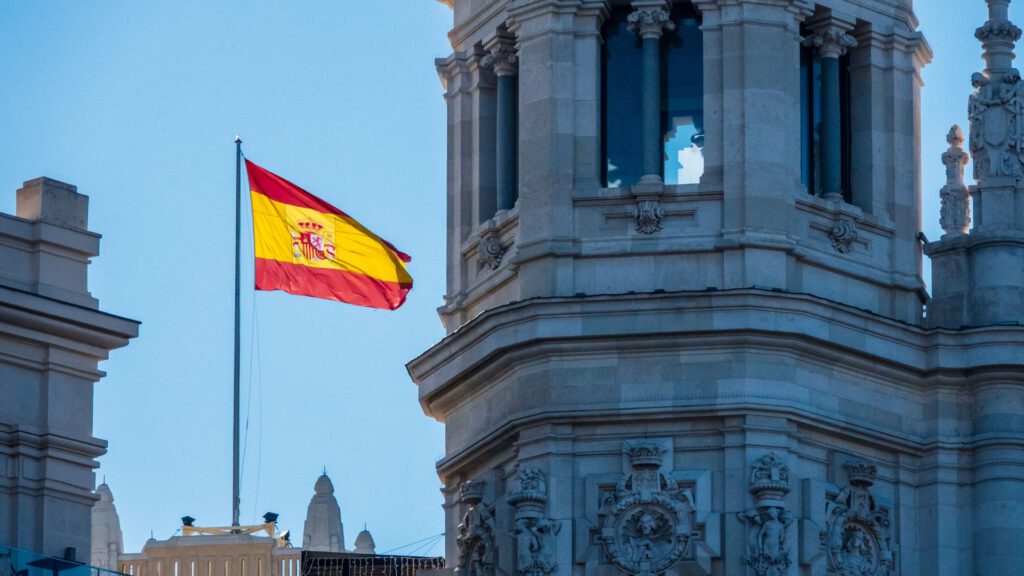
(80, 328)
(878, 340)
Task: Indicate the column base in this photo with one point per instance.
(651, 179)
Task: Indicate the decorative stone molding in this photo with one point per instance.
(768, 521)
(503, 58)
(647, 523)
(998, 31)
(533, 531)
(956, 209)
(831, 42)
(843, 235)
(648, 215)
(490, 249)
(857, 535)
(475, 538)
(650, 22)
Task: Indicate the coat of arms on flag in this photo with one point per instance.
(313, 242)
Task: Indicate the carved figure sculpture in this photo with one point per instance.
(768, 521)
(476, 534)
(533, 531)
(772, 536)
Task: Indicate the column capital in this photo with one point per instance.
(501, 55)
(650, 18)
(831, 41)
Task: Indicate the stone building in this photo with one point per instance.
(686, 322)
(52, 337)
(247, 550)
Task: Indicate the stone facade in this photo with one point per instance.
(734, 377)
(52, 337)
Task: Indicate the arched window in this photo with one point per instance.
(682, 99)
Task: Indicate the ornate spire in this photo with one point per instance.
(996, 139)
(956, 208)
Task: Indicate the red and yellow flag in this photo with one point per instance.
(306, 246)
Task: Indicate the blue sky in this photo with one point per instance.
(137, 102)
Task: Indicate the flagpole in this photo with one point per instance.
(235, 476)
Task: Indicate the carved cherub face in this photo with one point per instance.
(978, 80)
(856, 541)
(773, 513)
(647, 524)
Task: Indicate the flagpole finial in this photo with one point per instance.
(238, 139)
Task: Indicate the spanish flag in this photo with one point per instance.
(307, 247)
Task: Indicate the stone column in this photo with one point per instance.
(483, 93)
(504, 59)
(831, 41)
(998, 474)
(650, 19)
(455, 80)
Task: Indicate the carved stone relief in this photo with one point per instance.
(648, 215)
(768, 521)
(533, 531)
(650, 22)
(490, 249)
(503, 58)
(857, 536)
(476, 533)
(843, 235)
(956, 209)
(831, 42)
(997, 125)
(647, 523)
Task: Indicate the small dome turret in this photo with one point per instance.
(323, 530)
(107, 540)
(365, 544)
(323, 485)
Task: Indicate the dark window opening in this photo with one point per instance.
(682, 100)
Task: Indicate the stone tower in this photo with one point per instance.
(685, 312)
(53, 335)
(323, 530)
(107, 539)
